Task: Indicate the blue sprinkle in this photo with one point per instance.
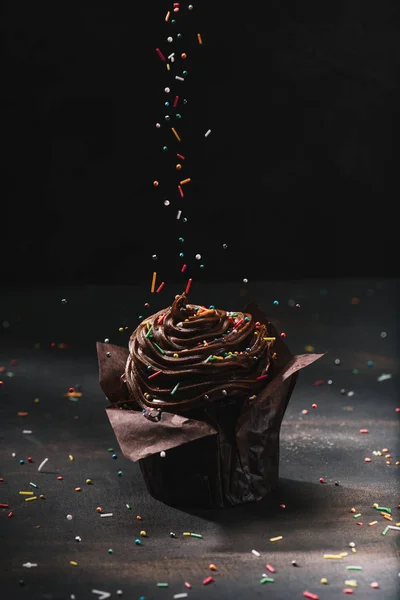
(246, 319)
(276, 302)
(114, 456)
(21, 462)
(181, 254)
(144, 410)
(138, 542)
(370, 363)
(211, 306)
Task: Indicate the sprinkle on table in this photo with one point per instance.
(267, 580)
(31, 498)
(276, 539)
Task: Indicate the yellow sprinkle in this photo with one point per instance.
(375, 505)
(71, 457)
(73, 563)
(333, 556)
(175, 134)
(276, 539)
(199, 38)
(354, 550)
(143, 533)
(168, 67)
(269, 339)
(153, 282)
(120, 329)
(324, 580)
(218, 357)
(36, 400)
(343, 554)
(186, 533)
(88, 481)
(397, 524)
(26, 493)
(31, 498)
(309, 348)
(351, 582)
(175, 355)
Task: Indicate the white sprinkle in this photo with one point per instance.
(329, 382)
(171, 56)
(178, 216)
(351, 393)
(78, 538)
(28, 565)
(40, 467)
(255, 553)
(72, 597)
(183, 595)
(167, 202)
(383, 334)
(394, 527)
(179, 78)
(162, 454)
(26, 431)
(384, 376)
(207, 133)
(352, 545)
(102, 595)
(69, 517)
(13, 455)
(245, 281)
(106, 514)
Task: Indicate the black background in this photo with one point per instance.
(296, 176)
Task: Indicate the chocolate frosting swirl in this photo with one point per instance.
(187, 355)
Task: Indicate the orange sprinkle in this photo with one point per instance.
(22, 414)
(99, 509)
(212, 567)
(139, 518)
(188, 180)
(199, 38)
(352, 510)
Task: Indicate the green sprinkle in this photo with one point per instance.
(74, 399)
(353, 568)
(175, 388)
(33, 484)
(388, 510)
(149, 332)
(158, 348)
(356, 516)
(120, 473)
(110, 551)
(196, 535)
(128, 506)
(267, 580)
(162, 584)
(110, 450)
(384, 532)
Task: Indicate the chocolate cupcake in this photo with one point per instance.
(198, 400)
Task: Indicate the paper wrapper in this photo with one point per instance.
(219, 456)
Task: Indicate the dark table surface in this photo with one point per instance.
(346, 319)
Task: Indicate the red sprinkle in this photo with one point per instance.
(52, 345)
(283, 334)
(184, 267)
(160, 287)
(59, 478)
(187, 584)
(181, 191)
(310, 595)
(261, 377)
(14, 362)
(282, 505)
(3, 505)
(71, 390)
(319, 382)
(160, 54)
(10, 514)
(271, 569)
(374, 585)
(30, 459)
(321, 480)
(348, 591)
(189, 283)
(161, 319)
(208, 580)
(238, 323)
(314, 406)
(1, 479)
(364, 431)
(367, 459)
(180, 155)
(397, 409)
(154, 374)
(174, 105)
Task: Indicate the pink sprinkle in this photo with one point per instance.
(397, 409)
(364, 431)
(180, 156)
(238, 323)
(321, 480)
(175, 101)
(261, 377)
(282, 505)
(348, 591)
(181, 191)
(187, 584)
(160, 54)
(154, 374)
(271, 569)
(208, 580)
(183, 268)
(367, 459)
(304, 411)
(374, 584)
(310, 595)
(359, 523)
